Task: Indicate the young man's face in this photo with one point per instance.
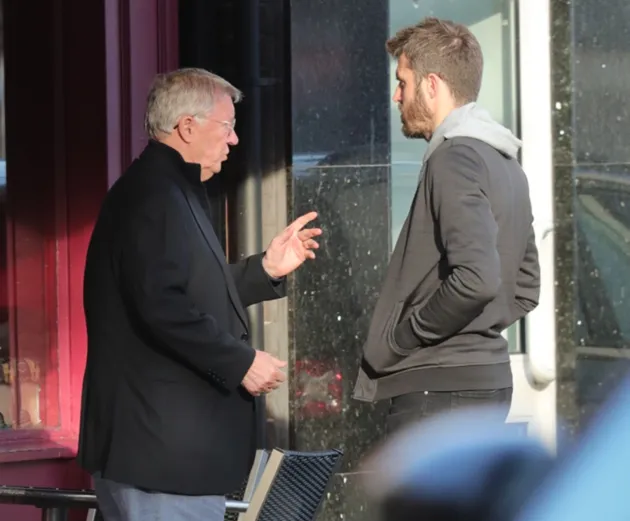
(415, 113)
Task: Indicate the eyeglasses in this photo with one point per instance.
(228, 125)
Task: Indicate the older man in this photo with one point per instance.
(168, 416)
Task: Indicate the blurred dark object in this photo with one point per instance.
(463, 465)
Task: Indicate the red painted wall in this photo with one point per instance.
(75, 100)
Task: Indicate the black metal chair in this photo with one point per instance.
(292, 486)
(282, 486)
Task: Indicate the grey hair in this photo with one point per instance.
(183, 92)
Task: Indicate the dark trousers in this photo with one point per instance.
(411, 408)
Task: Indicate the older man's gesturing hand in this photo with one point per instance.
(264, 374)
(288, 250)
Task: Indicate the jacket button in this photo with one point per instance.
(244, 337)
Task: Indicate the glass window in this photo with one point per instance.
(601, 61)
(493, 22)
(602, 213)
(28, 362)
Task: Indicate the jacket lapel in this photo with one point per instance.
(208, 232)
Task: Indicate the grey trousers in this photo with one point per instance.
(118, 502)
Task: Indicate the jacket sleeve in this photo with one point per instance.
(154, 267)
(527, 280)
(253, 283)
(469, 234)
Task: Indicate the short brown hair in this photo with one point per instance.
(444, 48)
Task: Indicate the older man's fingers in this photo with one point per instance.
(302, 221)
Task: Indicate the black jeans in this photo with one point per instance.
(411, 408)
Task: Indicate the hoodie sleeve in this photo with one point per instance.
(527, 280)
(469, 234)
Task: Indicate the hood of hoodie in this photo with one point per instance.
(474, 122)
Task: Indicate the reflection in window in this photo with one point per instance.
(603, 240)
(25, 401)
(493, 22)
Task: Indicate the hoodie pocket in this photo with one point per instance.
(394, 320)
(378, 351)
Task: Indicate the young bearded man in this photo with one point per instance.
(465, 266)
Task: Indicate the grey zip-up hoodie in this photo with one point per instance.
(465, 267)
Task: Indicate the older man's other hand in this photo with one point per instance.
(264, 374)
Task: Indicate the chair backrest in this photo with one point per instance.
(255, 475)
(292, 486)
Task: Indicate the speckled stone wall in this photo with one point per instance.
(591, 70)
(562, 101)
(341, 168)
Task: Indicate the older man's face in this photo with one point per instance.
(213, 137)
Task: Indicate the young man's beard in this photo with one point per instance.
(416, 119)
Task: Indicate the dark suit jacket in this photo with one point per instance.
(163, 408)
